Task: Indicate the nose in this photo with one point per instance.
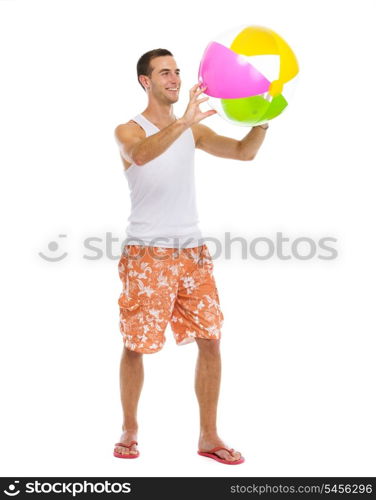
(175, 81)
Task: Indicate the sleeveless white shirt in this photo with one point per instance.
(163, 195)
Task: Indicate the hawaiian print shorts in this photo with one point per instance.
(167, 285)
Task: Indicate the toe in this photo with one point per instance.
(124, 450)
(225, 455)
(232, 457)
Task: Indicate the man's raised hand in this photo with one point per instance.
(193, 114)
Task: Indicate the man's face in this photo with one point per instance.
(165, 79)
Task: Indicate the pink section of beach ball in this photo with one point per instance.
(228, 75)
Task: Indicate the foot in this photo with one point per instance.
(207, 443)
(127, 437)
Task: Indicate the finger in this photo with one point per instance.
(202, 100)
(196, 94)
(210, 113)
(200, 90)
(193, 89)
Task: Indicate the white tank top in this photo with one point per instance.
(163, 195)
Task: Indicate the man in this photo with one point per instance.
(166, 271)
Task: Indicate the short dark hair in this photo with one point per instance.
(143, 64)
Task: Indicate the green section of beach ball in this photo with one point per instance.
(254, 109)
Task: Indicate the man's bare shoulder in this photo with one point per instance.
(130, 128)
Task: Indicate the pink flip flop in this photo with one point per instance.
(212, 454)
(129, 455)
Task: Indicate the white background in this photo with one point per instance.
(298, 348)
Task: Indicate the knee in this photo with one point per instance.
(131, 355)
(208, 347)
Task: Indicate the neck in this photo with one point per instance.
(160, 113)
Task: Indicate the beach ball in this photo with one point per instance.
(248, 72)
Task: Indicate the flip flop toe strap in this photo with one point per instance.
(126, 445)
(217, 448)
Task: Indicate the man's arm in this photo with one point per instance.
(138, 149)
(226, 147)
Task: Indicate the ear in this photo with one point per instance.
(144, 81)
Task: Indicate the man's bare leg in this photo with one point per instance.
(207, 384)
(131, 382)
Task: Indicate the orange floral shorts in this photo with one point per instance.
(167, 285)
